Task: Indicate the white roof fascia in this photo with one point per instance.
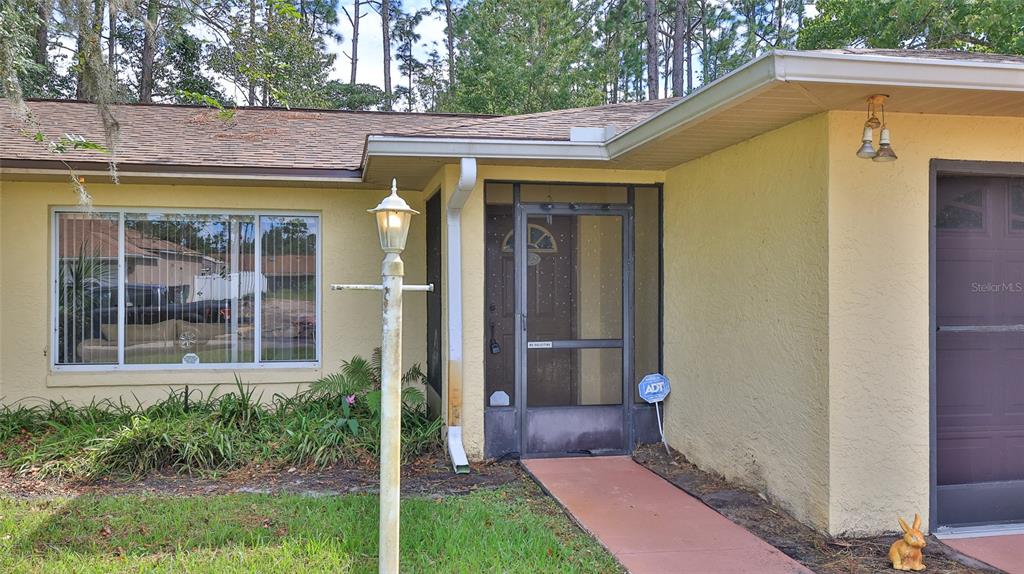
(729, 90)
(908, 71)
(178, 175)
(483, 148)
(824, 68)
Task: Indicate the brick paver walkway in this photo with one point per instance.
(650, 525)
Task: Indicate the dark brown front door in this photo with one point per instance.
(550, 303)
(979, 350)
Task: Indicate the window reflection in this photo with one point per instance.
(192, 288)
(289, 301)
(961, 210)
(87, 294)
(189, 289)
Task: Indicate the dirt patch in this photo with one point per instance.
(821, 553)
(430, 476)
(19, 486)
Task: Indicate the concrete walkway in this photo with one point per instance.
(1003, 552)
(650, 525)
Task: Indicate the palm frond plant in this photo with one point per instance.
(78, 295)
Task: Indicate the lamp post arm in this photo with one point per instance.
(357, 287)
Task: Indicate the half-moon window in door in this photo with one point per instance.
(539, 240)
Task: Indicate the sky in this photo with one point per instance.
(370, 69)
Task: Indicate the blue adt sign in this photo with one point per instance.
(654, 388)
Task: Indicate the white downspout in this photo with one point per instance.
(465, 185)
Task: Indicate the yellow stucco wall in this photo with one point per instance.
(350, 253)
(746, 340)
(879, 309)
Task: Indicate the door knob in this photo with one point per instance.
(494, 345)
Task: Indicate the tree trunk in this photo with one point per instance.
(251, 96)
(666, 76)
(111, 36)
(267, 96)
(409, 96)
(87, 46)
(652, 48)
(43, 11)
(689, 52)
(79, 75)
(681, 26)
(149, 52)
(385, 26)
(704, 56)
(449, 19)
(778, 23)
(356, 17)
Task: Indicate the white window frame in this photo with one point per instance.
(257, 363)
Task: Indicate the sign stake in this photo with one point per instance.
(654, 388)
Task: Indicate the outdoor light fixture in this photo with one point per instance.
(867, 149)
(885, 152)
(393, 217)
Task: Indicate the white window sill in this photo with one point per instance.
(128, 376)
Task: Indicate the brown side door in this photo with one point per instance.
(979, 234)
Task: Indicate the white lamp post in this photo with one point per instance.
(393, 218)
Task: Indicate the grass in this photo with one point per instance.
(336, 420)
(509, 529)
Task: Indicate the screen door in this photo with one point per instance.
(573, 278)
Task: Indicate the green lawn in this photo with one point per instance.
(509, 529)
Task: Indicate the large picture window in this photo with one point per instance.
(152, 289)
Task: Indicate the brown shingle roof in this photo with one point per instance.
(195, 136)
(98, 237)
(931, 55)
(268, 138)
(554, 125)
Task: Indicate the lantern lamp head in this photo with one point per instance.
(885, 151)
(393, 218)
(867, 148)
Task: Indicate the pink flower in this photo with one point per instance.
(351, 400)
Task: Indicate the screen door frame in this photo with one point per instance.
(562, 420)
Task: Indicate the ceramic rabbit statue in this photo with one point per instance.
(906, 554)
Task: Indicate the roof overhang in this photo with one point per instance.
(767, 93)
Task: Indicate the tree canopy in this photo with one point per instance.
(974, 25)
(495, 56)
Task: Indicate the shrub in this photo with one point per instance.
(145, 445)
(336, 420)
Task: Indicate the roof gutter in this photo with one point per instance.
(483, 148)
(874, 69)
(178, 172)
(819, 68)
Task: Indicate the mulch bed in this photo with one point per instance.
(819, 552)
(427, 476)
